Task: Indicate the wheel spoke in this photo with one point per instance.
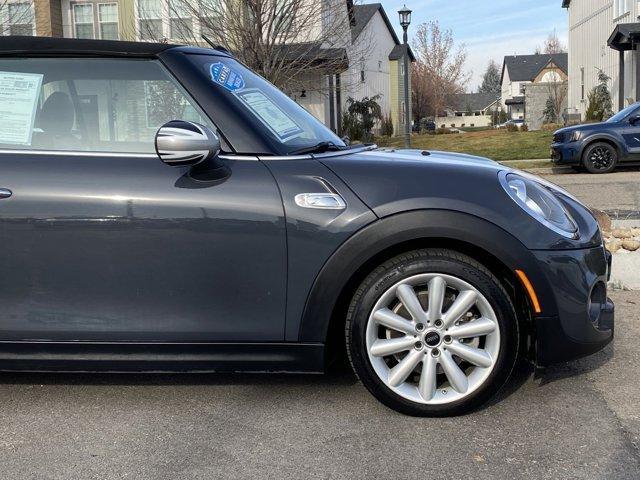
(387, 318)
(437, 288)
(466, 299)
(410, 300)
(472, 355)
(402, 370)
(427, 384)
(382, 348)
(476, 328)
(456, 376)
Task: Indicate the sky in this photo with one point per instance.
(490, 29)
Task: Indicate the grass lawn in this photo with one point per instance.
(498, 145)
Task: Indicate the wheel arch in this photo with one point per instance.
(602, 138)
(324, 313)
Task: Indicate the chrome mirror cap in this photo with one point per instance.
(180, 143)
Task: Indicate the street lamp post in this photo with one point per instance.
(405, 20)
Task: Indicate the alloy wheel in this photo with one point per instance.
(601, 158)
(433, 338)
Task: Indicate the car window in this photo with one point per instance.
(95, 104)
(283, 119)
(624, 113)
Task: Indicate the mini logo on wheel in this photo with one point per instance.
(432, 339)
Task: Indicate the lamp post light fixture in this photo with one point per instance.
(405, 20)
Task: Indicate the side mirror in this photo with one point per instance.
(180, 143)
(634, 119)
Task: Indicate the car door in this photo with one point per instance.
(100, 241)
(629, 128)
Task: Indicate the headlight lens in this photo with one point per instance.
(575, 136)
(538, 201)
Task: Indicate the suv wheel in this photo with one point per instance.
(432, 333)
(600, 158)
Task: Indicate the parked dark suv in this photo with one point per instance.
(164, 208)
(600, 147)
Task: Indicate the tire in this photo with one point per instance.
(600, 157)
(432, 393)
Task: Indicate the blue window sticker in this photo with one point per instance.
(225, 76)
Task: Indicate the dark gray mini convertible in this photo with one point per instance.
(163, 208)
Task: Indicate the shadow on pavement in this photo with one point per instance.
(576, 368)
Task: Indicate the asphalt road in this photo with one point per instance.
(617, 193)
(580, 421)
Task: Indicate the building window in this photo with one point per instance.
(379, 65)
(150, 20)
(180, 22)
(403, 112)
(95, 20)
(108, 21)
(20, 19)
(402, 69)
(83, 20)
(177, 20)
(621, 7)
(582, 83)
(362, 76)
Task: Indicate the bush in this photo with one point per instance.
(352, 127)
(443, 131)
(524, 127)
(550, 127)
(512, 127)
(386, 126)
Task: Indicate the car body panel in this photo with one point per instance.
(398, 182)
(128, 249)
(313, 235)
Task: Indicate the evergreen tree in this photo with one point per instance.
(600, 105)
(363, 115)
(550, 115)
(491, 79)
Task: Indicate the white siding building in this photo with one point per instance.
(601, 34)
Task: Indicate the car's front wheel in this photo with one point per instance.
(432, 333)
(600, 157)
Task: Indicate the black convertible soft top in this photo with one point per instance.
(14, 45)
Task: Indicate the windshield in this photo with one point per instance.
(287, 122)
(622, 114)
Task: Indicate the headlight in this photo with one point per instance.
(538, 201)
(575, 136)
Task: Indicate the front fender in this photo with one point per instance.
(351, 258)
(616, 139)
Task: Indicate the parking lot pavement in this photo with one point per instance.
(579, 420)
(617, 193)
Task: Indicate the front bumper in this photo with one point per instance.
(565, 153)
(583, 321)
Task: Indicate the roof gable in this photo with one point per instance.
(524, 68)
(363, 14)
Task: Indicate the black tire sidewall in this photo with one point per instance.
(420, 262)
(587, 153)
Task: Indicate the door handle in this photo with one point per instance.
(5, 193)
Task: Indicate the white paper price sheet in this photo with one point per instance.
(19, 93)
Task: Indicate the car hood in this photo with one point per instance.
(432, 155)
(395, 181)
(587, 127)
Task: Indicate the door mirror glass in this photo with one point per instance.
(180, 143)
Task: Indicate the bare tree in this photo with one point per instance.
(557, 89)
(553, 44)
(291, 43)
(439, 69)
